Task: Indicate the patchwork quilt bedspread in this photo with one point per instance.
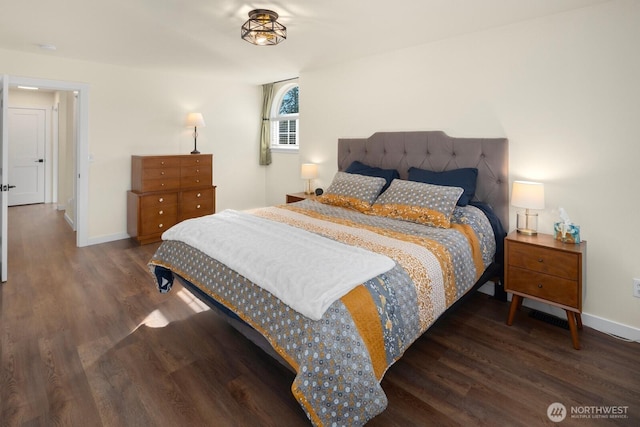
(341, 358)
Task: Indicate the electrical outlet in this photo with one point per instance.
(636, 288)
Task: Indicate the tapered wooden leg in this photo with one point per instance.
(579, 320)
(574, 329)
(516, 302)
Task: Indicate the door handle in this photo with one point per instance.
(40, 161)
(7, 187)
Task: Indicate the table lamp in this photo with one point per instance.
(528, 195)
(308, 171)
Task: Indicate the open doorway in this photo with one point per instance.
(79, 162)
(42, 146)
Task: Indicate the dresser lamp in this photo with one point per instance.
(195, 120)
(308, 171)
(528, 195)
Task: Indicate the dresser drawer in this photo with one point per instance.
(196, 203)
(154, 201)
(189, 180)
(551, 288)
(158, 220)
(160, 173)
(160, 162)
(160, 184)
(203, 160)
(543, 260)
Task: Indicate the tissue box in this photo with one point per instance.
(566, 233)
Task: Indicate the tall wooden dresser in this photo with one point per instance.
(166, 190)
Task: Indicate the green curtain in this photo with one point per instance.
(265, 132)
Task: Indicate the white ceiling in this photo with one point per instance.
(204, 35)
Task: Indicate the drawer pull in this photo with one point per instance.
(161, 213)
(539, 285)
(198, 195)
(161, 199)
(540, 260)
(197, 170)
(160, 225)
(197, 180)
(162, 163)
(162, 185)
(162, 173)
(197, 161)
(198, 207)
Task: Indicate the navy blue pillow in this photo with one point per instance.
(464, 178)
(362, 169)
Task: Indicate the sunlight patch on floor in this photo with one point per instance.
(194, 303)
(155, 319)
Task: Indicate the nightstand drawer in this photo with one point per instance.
(551, 288)
(543, 260)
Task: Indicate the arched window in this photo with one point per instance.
(284, 118)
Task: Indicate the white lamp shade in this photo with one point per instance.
(309, 171)
(195, 120)
(526, 194)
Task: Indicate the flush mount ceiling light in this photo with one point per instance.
(263, 29)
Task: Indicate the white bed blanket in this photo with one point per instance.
(306, 271)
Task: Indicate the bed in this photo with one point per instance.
(348, 281)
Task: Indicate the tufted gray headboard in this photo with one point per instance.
(436, 151)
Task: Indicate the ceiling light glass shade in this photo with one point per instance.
(263, 29)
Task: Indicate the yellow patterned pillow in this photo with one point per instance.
(353, 191)
(418, 202)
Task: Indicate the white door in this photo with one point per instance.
(27, 133)
(4, 177)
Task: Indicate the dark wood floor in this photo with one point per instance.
(88, 341)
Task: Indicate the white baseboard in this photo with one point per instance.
(69, 221)
(592, 321)
(61, 207)
(107, 238)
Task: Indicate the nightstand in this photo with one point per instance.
(296, 197)
(544, 269)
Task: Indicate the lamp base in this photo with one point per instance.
(527, 232)
(527, 223)
(307, 188)
(195, 152)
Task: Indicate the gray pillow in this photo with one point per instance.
(352, 191)
(418, 202)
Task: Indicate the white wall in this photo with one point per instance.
(143, 112)
(564, 90)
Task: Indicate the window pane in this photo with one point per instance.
(289, 103)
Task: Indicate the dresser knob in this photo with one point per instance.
(162, 173)
(197, 170)
(540, 285)
(540, 260)
(198, 207)
(162, 185)
(197, 180)
(160, 225)
(161, 213)
(162, 163)
(198, 195)
(161, 199)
